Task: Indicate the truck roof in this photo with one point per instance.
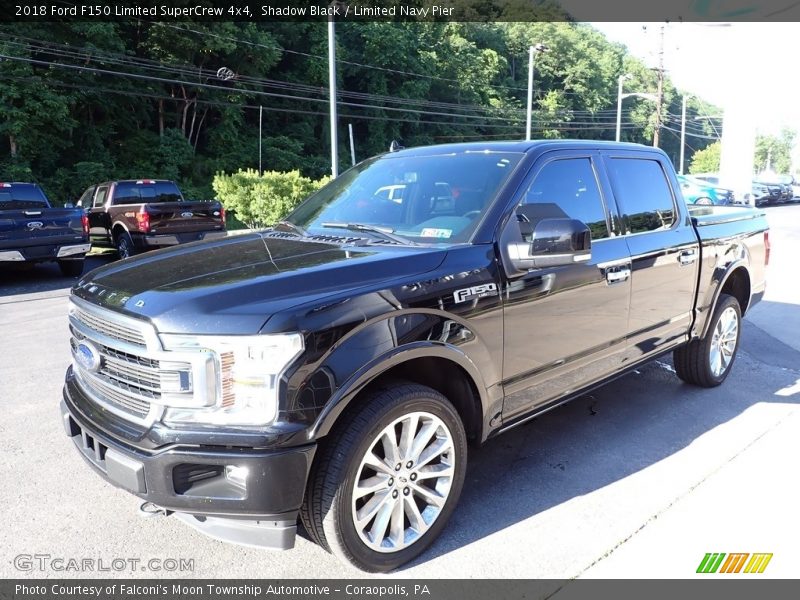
(519, 146)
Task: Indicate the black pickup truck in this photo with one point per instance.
(335, 367)
(32, 231)
(142, 214)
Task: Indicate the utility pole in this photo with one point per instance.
(683, 132)
(332, 91)
(532, 52)
(660, 92)
(260, 121)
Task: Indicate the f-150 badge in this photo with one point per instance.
(474, 292)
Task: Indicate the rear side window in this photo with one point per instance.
(131, 192)
(21, 196)
(643, 193)
(565, 188)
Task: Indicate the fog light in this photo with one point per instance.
(237, 475)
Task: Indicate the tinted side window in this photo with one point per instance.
(564, 188)
(86, 198)
(643, 193)
(100, 199)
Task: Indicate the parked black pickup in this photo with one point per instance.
(336, 366)
(32, 231)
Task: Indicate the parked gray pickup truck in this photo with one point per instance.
(334, 368)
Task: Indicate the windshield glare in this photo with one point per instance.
(427, 199)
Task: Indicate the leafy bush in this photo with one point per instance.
(261, 200)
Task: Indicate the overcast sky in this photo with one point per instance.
(753, 63)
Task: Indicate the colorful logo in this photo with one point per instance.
(713, 562)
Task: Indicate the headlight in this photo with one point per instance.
(248, 373)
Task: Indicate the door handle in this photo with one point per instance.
(688, 257)
(617, 276)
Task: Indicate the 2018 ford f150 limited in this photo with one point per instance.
(333, 369)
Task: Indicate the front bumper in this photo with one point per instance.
(240, 495)
(165, 240)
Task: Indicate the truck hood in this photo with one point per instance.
(234, 285)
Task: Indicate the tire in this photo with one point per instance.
(71, 268)
(704, 201)
(332, 505)
(124, 245)
(703, 361)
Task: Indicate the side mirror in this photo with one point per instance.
(69, 205)
(554, 243)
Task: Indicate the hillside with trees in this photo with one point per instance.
(87, 101)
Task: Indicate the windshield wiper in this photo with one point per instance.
(384, 232)
(296, 228)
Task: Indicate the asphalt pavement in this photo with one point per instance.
(639, 479)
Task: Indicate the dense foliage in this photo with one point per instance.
(261, 200)
(87, 101)
(706, 160)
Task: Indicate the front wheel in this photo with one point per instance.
(707, 361)
(387, 481)
(704, 201)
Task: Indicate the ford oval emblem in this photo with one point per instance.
(88, 357)
(187, 215)
(35, 225)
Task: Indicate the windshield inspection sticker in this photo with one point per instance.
(475, 292)
(436, 233)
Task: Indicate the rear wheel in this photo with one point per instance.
(386, 482)
(707, 361)
(124, 245)
(71, 268)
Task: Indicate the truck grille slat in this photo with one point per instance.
(125, 381)
(111, 329)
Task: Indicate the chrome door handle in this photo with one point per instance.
(687, 258)
(617, 276)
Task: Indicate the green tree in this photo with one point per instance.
(261, 200)
(706, 160)
(774, 152)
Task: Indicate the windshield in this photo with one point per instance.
(21, 196)
(426, 199)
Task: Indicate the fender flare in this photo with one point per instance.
(730, 268)
(379, 365)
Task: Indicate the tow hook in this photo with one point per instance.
(148, 510)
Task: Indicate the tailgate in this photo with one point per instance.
(41, 226)
(185, 217)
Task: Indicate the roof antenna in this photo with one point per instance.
(395, 146)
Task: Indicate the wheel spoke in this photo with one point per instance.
(428, 495)
(422, 439)
(378, 530)
(368, 511)
(715, 361)
(397, 532)
(435, 471)
(378, 464)
(415, 518)
(371, 485)
(436, 449)
(409, 429)
(390, 449)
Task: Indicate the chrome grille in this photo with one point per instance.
(128, 380)
(110, 328)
